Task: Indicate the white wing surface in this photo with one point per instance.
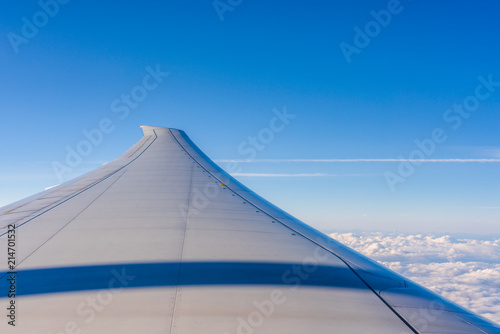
(162, 240)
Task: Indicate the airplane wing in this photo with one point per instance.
(162, 240)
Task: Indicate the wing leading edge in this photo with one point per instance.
(163, 240)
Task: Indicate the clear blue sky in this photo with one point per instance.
(355, 95)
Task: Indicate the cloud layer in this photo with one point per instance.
(464, 270)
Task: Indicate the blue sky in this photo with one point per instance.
(231, 69)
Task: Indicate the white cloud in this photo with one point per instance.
(464, 270)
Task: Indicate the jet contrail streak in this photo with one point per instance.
(356, 160)
(290, 175)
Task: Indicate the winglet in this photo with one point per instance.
(150, 130)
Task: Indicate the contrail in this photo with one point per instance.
(355, 160)
(290, 175)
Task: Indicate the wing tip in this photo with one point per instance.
(149, 129)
